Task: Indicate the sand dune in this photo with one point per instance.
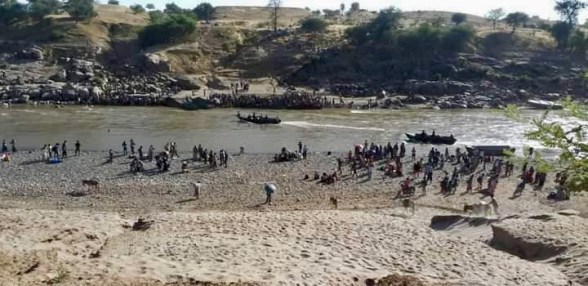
(274, 248)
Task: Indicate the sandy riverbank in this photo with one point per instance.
(227, 235)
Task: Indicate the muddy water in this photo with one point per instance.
(103, 128)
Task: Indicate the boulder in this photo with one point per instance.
(187, 83)
(59, 76)
(156, 62)
(35, 54)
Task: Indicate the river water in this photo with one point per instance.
(102, 128)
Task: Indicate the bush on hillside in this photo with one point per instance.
(80, 9)
(561, 32)
(171, 30)
(38, 9)
(418, 45)
(313, 25)
(380, 30)
(204, 11)
(11, 13)
(157, 17)
(137, 8)
(458, 18)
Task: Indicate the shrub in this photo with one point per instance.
(204, 11)
(167, 31)
(80, 9)
(458, 18)
(313, 25)
(137, 9)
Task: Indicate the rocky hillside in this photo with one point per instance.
(238, 44)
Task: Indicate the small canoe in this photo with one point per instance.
(544, 104)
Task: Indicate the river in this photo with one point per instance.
(102, 128)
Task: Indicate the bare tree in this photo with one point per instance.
(495, 15)
(274, 6)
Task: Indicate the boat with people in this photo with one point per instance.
(431, 139)
(544, 104)
(259, 119)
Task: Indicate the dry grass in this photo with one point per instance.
(113, 14)
(256, 15)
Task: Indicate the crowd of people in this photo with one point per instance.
(470, 167)
(49, 152)
(289, 100)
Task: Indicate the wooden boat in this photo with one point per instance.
(259, 119)
(431, 139)
(491, 150)
(544, 104)
(196, 104)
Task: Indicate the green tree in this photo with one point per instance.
(38, 9)
(458, 18)
(516, 19)
(150, 6)
(561, 32)
(12, 12)
(354, 7)
(568, 139)
(495, 15)
(157, 17)
(113, 2)
(569, 10)
(172, 8)
(313, 25)
(579, 44)
(204, 11)
(80, 9)
(381, 29)
(170, 30)
(342, 8)
(274, 6)
(456, 39)
(137, 8)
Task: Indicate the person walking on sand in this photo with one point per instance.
(469, 183)
(56, 151)
(110, 156)
(480, 181)
(340, 166)
(304, 152)
(13, 145)
(424, 186)
(78, 145)
(299, 146)
(4, 147)
(197, 188)
(124, 146)
(413, 155)
(270, 189)
(132, 147)
(64, 149)
(150, 153)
